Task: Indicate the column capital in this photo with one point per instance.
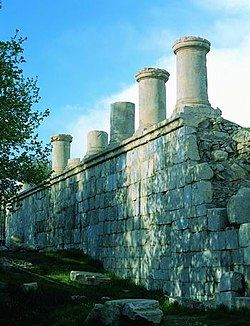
(61, 137)
(152, 73)
(191, 41)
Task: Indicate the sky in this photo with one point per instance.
(86, 53)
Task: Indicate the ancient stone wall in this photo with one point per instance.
(168, 207)
(152, 208)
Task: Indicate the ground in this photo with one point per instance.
(52, 303)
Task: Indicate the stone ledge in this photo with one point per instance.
(160, 129)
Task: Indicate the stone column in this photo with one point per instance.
(122, 121)
(152, 96)
(60, 152)
(97, 140)
(191, 71)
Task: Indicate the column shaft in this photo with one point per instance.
(60, 152)
(152, 96)
(191, 71)
(122, 121)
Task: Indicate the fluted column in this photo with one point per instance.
(152, 96)
(122, 121)
(60, 152)
(97, 140)
(191, 71)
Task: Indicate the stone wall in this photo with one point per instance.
(168, 207)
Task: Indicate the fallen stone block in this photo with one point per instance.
(29, 287)
(93, 317)
(136, 311)
(89, 278)
(238, 207)
(141, 310)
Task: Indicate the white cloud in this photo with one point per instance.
(228, 78)
(228, 82)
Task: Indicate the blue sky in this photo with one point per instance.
(86, 53)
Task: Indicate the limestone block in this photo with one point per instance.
(191, 148)
(136, 310)
(202, 192)
(238, 207)
(200, 172)
(152, 96)
(226, 298)
(29, 287)
(191, 70)
(122, 121)
(246, 255)
(232, 281)
(174, 199)
(219, 155)
(217, 240)
(244, 235)
(217, 219)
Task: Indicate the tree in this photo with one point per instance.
(23, 157)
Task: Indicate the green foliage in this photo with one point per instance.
(23, 158)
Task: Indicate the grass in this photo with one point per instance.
(52, 303)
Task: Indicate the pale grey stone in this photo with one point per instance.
(143, 310)
(226, 298)
(246, 255)
(244, 235)
(202, 192)
(89, 278)
(219, 155)
(192, 72)
(238, 207)
(232, 281)
(29, 287)
(152, 96)
(217, 219)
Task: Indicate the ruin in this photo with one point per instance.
(167, 205)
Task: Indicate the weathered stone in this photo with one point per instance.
(152, 96)
(226, 299)
(135, 310)
(60, 152)
(232, 281)
(97, 141)
(244, 235)
(217, 219)
(122, 121)
(143, 310)
(93, 317)
(89, 278)
(238, 207)
(29, 287)
(191, 71)
(219, 155)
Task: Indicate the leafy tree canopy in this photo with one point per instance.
(23, 158)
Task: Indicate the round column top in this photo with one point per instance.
(191, 41)
(97, 132)
(61, 137)
(152, 73)
(122, 103)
